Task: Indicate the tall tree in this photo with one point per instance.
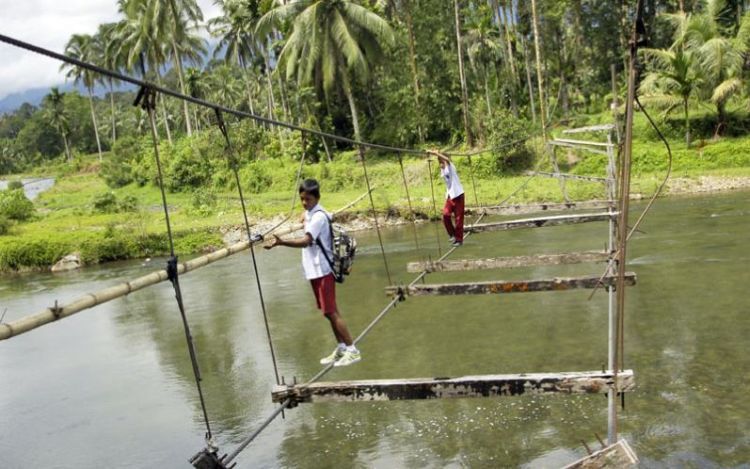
(332, 42)
(539, 74)
(54, 111)
(83, 47)
(462, 74)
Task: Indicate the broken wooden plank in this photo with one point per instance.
(521, 209)
(508, 262)
(540, 222)
(589, 382)
(618, 455)
(568, 176)
(511, 286)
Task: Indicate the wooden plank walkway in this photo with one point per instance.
(589, 382)
(568, 176)
(508, 262)
(540, 222)
(522, 209)
(510, 286)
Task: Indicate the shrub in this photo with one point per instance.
(203, 201)
(507, 155)
(16, 184)
(129, 203)
(105, 202)
(4, 225)
(117, 170)
(15, 205)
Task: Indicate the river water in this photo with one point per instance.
(112, 387)
(32, 187)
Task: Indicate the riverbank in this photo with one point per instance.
(81, 216)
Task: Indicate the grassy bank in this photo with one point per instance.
(82, 214)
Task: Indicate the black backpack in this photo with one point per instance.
(344, 248)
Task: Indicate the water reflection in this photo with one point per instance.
(123, 374)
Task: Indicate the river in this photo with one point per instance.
(112, 387)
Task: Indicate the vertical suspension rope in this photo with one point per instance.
(234, 166)
(434, 206)
(374, 214)
(411, 208)
(147, 100)
(473, 182)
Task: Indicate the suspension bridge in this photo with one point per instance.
(613, 381)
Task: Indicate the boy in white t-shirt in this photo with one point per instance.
(316, 263)
(454, 200)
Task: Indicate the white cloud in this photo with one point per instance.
(49, 24)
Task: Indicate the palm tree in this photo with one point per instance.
(234, 29)
(111, 61)
(84, 48)
(539, 74)
(333, 42)
(224, 85)
(721, 51)
(484, 47)
(462, 73)
(55, 114)
(675, 73)
(195, 86)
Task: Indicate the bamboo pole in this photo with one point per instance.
(90, 300)
(540, 222)
(508, 262)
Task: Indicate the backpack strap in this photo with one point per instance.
(339, 278)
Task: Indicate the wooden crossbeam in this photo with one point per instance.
(508, 262)
(589, 382)
(521, 209)
(540, 222)
(593, 128)
(510, 286)
(568, 176)
(585, 142)
(578, 147)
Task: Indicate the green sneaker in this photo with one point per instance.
(349, 358)
(333, 357)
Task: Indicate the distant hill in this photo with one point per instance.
(35, 95)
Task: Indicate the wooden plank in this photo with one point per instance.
(577, 147)
(593, 128)
(540, 222)
(590, 382)
(511, 286)
(585, 142)
(522, 209)
(508, 262)
(568, 176)
(618, 455)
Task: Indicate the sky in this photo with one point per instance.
(49, 24)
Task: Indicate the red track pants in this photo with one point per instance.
(454, 206)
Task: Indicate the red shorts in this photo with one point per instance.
(324, 289)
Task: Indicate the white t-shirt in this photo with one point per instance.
(452, 183)
(314, 262)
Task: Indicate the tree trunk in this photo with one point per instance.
(96, 127)
(507, 24)
(68, 155)
(529, 83)
(682, 6)
(687, 122)
(271, 102)
(112, 108)
(178, 67)
(462, 76)
(413, 62)
(284, 103)
(352, 105)
(539, 75)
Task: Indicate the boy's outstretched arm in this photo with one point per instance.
(440, 156)
(301, 242)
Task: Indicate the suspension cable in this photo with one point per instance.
(374, 213)
(411, 208)
(234, 166)
(146, 98)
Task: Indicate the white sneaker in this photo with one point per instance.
(451, 240)
(349, 358)
(338, 353)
